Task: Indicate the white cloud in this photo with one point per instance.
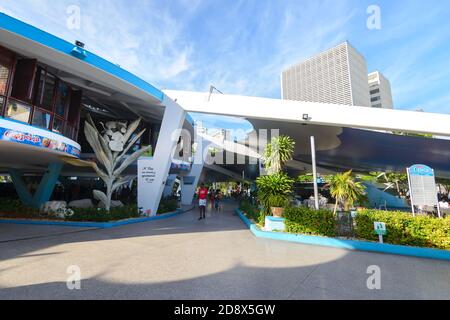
(239, 47)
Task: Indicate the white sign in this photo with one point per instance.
(422, 186)
(146, 181)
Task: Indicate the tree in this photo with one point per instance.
(111, 150)
(279, 151)
(345, 189)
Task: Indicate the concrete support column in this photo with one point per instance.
(21, 188)
(45, 189)
(153, 171)
(191, 181)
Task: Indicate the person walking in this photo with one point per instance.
(202, 194)
(218, 200)
(212, 197)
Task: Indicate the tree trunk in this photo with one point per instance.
(335, 206)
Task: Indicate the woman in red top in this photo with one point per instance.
(202, 194)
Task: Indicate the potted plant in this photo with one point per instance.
(275, 188)
(274, 191)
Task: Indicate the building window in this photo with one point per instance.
(2, 104)
(48, 93)
(41, 119)
(18, 111)
(31, 94)
(62, 99)
(58, 125)
(6, 62)
(375, 99)
(378, 105)
(69, 131)
(23, 80)
(4, 76)
(375, 91)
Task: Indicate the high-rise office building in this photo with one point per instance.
(380, 91)
(337, 75)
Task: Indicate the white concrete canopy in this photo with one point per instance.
(316, 113)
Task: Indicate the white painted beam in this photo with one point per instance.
(318, 113)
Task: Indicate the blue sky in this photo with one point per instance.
(241, 47)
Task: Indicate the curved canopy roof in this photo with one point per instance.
(363, 150)
(103, 83)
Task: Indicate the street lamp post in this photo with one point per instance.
(314, 167)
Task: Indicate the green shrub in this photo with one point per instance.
(274, 190)
(101, 215)
(404, 229)
(303, 220)
(169, 204)
(251, 211)
(14, 206)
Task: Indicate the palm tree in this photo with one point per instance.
(279, 151)
(344, 188)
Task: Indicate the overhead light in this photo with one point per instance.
(78, 51)
(79, 44)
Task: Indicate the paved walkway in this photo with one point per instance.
(183, 258)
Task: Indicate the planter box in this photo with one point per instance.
(347, 244)
(274, 224)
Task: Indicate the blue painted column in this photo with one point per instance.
(47, 185)
(21, 189)
(45, 189)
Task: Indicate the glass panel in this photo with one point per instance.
(41, 119)
(2, 102)
(49, 89)
(58, 125)
(4, 74)
(40, 87)
(62, 99)
(68, 131)
(18, 111)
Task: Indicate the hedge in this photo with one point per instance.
(404, 229)
(101, 215)
(251, 211)
(307, 221)
(168, 205)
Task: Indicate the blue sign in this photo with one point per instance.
(421, 170)
(37, 141)
(177, 167)
(188, 180)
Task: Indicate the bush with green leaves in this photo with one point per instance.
(15, 206)
(274, 190)
(102, 215)
(305, 178)
(404, 229)
(302, 220)
(251, 211)
(169, 204)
